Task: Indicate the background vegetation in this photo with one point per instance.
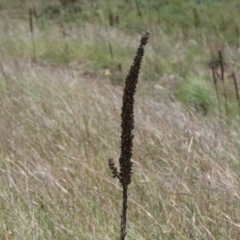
(62, 66)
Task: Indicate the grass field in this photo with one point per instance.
(62, 71)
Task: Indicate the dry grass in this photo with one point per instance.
(56, 132)
(59, 123)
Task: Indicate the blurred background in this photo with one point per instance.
(62, 69)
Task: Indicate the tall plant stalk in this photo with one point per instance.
(222, 77)
(216, 89)
(31, 26)
(236, 90)
(127, 125)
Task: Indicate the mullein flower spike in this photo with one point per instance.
(127, 125)
(127, 115)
